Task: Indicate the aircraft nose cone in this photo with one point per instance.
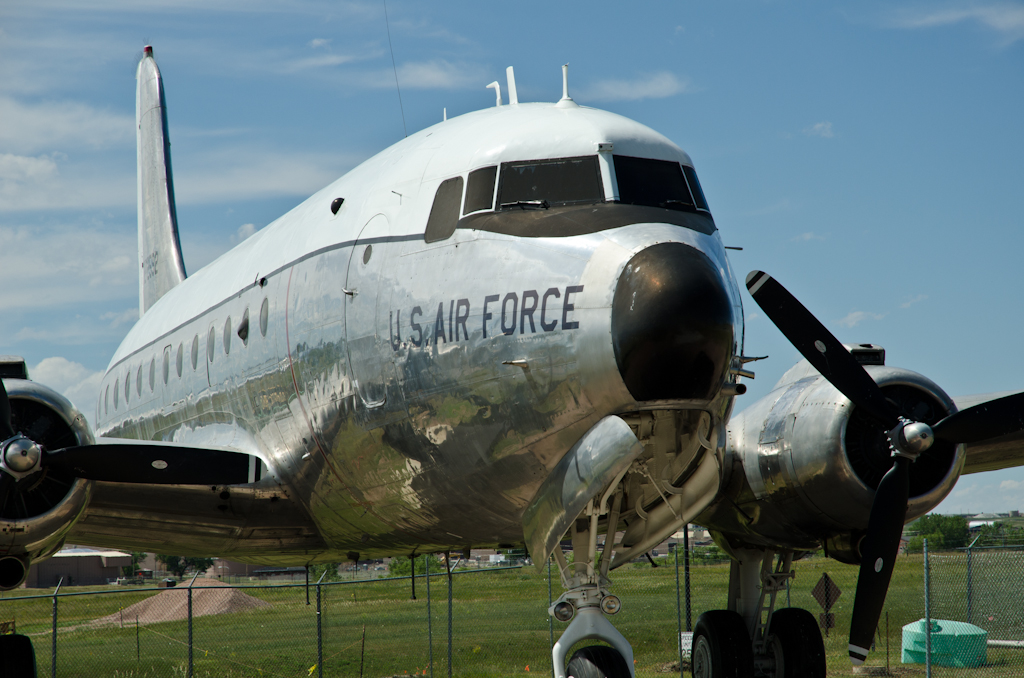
(672, 324)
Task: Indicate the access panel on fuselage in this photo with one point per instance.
(363, 284)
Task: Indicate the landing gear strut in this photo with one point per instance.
(587, 601)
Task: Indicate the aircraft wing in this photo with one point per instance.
(994, 454)
(251, 523)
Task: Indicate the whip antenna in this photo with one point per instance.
(393, 66)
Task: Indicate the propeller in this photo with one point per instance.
(908, 439)
(129, 462)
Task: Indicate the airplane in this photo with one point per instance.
(515, 327)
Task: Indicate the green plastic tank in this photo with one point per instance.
(956, 644)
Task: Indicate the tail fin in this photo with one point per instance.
(160, 263)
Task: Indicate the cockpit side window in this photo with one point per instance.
(698, 193)
(544, 183)
(655, 183)
(444, 214)
(480, 190)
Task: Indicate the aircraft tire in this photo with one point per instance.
(17, 658)
(597, 661)
(721, 646)
(797, 644)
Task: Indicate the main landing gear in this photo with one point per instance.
(752, 638)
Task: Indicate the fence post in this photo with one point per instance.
(412, 574)
(551, 627)
(53, 649)
(319, 630)
(190, 667)
(448, 567)
(970, 581)
(686, 574)
(430, 630)
(679, 614)
(927, 616)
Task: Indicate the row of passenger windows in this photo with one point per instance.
(148, 375)
(540, 184)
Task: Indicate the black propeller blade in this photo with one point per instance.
(821, 349)
(6, 430)
(150, 464)
(983, 421)
(139, 462)
(909, 439)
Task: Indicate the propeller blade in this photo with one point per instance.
(983, 421)
(6, 430)
(7, 482)
(151, 464)
(879, 550)
(820, 348)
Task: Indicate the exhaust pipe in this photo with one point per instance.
(13, 572)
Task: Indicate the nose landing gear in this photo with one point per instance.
(587, 601)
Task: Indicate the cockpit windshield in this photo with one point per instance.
(658, 183)
(538, 184)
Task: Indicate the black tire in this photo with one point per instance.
(597, 661)
(721, 646)
(796, 641)
(17, 658)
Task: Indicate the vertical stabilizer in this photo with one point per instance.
(160, 263)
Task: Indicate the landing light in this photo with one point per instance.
(564, 611)
(611, 604)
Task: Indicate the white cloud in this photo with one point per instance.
(804, 237)
(243, 232)
(323, 61)
(1010, 485)
(66, 264)
(910, 302)
(653, 86)
(237, 173)
(129, 315)
(319, 42)
(1006, 19)
(820, 129)
(74, 381)
(60, 126)
(436, 74)
(53, 181)
(854, 318)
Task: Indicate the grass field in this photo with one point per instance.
(500, 626)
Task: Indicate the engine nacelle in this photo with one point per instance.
(35, 519)
(815, 460)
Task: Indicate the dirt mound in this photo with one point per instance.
(209, 596)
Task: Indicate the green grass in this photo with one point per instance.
(500, 625)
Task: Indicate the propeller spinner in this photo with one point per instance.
(908, 439)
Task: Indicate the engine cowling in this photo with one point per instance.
(35, 520)
(816, 460)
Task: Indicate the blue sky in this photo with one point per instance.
(866, 154)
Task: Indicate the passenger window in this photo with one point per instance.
(444, 215)
(480, 190)
(264, 316)
(128, 385)
(543, 183)
(106, 400)
(227, 336)
(698, 192)
(195, 352)
(211, 343)
(180, 359)
(117, 385)
(152, 374)
(655, 183)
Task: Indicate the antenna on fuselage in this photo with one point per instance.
(566, 100)
(497, 91)
(513, 96)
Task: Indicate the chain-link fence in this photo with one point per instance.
(486, 622)
(982, 587)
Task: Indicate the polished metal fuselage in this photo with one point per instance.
(408, 396)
